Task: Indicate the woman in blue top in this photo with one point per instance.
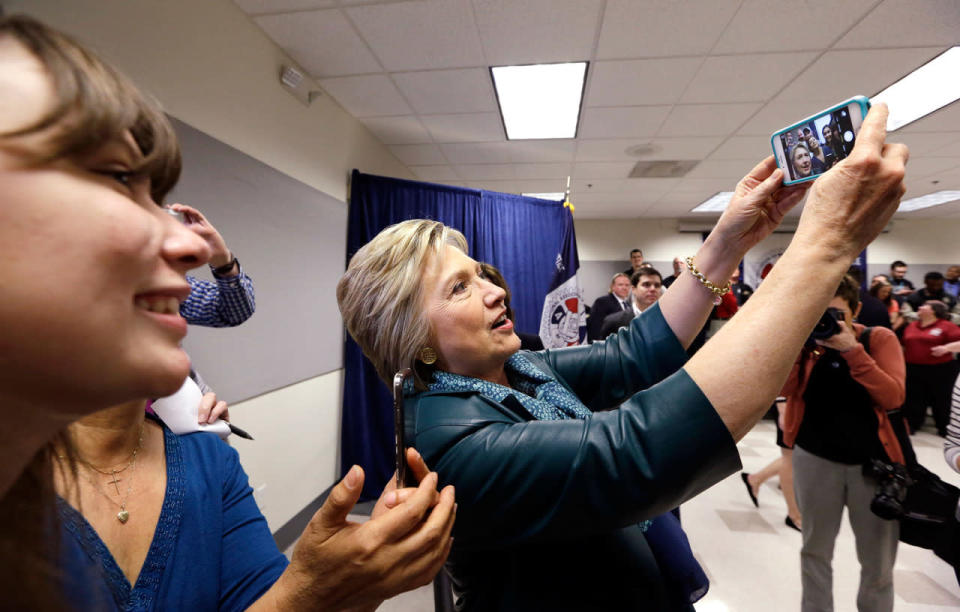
(552, 482)
(92, 272)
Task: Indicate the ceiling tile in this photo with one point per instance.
(744, 78)
(448, 91)
(665, 148)
(531, 151)
(598, 170)
(468, 127)
(418, 155)
(900, 23)
(420, 35)
(434, 174)
(931, 144)
(947, 118)
(259, 7)
(780, 112)
(706, 119)
(730, 169)
(743, 147)
(323, 42)
(838, 75)
(486, 172)
(762, 25)
(475, 153)
(931, 166)
(635, 28)
(628, 82)
(543, 171)
(622, 121)
(369, 95)
(536, 31)
(641, 189)
(397, 130)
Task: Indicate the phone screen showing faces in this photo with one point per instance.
(814, 147)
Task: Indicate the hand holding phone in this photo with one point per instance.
(399, 383)
(812, 146)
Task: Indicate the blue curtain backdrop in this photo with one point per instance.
(520, 236)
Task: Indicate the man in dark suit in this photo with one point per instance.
(617, 300)
(647, 289)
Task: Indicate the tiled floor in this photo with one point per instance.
(753, 559)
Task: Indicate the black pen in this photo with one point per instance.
(236, 430)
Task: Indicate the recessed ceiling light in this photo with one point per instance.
(931, 199)
(716, 203)
(540, 100)
(926, 89)
(555, 196)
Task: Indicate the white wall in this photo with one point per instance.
(212, 68)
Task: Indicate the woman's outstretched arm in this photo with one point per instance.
(741, 369)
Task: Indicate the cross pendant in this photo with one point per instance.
(115, 481)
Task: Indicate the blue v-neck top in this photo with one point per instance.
(212, 549)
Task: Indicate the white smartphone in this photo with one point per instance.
(810, 147)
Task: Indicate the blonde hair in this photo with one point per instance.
(381, 295)
(93, 105)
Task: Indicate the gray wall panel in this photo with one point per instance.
(291, 240)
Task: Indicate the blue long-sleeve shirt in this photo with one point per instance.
(228, 302)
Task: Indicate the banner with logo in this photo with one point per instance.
(563, 319)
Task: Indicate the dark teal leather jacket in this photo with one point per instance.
(548, 510)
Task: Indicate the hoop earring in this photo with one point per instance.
(427, 355)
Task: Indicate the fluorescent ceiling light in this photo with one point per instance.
(931, 199)
(926, 89)
(540, 101)
(559, 195)
(716, 203)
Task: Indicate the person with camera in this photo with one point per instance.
(838, 394)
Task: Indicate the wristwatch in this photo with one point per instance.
(225, 268)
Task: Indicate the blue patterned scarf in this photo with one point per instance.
(540, 394)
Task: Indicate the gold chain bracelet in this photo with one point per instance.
(718, 292)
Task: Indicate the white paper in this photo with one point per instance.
(181, 410)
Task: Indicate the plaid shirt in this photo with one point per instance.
(225, 303)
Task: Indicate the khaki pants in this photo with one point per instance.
(823, 488)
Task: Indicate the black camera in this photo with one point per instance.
(893, 480)
(826, 327)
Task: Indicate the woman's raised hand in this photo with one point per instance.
(757, 207)
(341, 565)
(850, 204)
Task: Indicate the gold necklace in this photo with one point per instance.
(124, 515)
(133, 458)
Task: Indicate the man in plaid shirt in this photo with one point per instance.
(230, 300)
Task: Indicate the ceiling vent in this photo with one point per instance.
(667, 168)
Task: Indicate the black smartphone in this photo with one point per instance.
(399, 384)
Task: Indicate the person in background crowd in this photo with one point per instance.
(932, 290)
(951, 445)
(883, 291)
(782, 466)
(930, 372)
(647, 289)
(951, 281)
(872, 311)
(898, 278)
(677, 269)
(617, 300)
(740, 290)
(838, 395)
(636, 260)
